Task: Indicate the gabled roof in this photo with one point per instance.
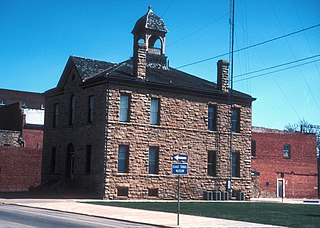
(88, 68)
(149, 21)
(95, 70)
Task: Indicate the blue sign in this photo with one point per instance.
(180, 157)
(179, 168)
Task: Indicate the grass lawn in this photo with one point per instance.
(290, 215)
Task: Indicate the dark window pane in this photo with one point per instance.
(253, 148)
(212, 163)
(212, 122)
(286, 151)
(123, 159)
(235, 165)
(153, 160)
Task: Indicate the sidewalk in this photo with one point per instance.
(133, 215)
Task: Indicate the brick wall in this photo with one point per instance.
(300, 170)
(34, 100)
(33, 138)
(20, 168)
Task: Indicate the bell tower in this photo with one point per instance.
(149, 39)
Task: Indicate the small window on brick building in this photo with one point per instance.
(122, 191)
(88, 159)
(286, 151)
(235, 164)
(2, 102)
(53, 159)
(72, 109)
(153, 192)
(124, 108)
(235, 120)
(212, 118)
(212, 163)
(42, 106)
(55, 114)
(90, 108)
(155, 111)
(253, 148)
(123, 159)
(25, 104)
(154, 160)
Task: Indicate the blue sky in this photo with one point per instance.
(38, 36)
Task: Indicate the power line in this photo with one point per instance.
(251, 46)
(280, 65)
(197, 30)
(260, 75)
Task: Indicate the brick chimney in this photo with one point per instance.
(223, 74)
(140, 61)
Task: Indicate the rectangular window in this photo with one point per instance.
(212, 118)
(2, 102)
(90, 109)
(124, 108)
(235, 164)
(88, 159)
(286, 151)
(123, 159)
(53, 159)
(122, 191)
(55, 114)
(235, 120)
(25, 104)
(72, 109)
(155, 112)
(42, 106)
(212, 163)
(154, 160)
(153, 192)
(253, 148)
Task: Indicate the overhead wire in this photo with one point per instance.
(276, 66)
(287, 68)
(251, 46)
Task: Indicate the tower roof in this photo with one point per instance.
(149, 21)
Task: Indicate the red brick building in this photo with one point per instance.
(284, 162)
(21, 136)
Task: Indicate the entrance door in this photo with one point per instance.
(280, 188)
(70, 162)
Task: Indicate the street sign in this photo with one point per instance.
(179, 168)
(180, 157)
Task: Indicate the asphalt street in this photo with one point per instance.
(13, 216)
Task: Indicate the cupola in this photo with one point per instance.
(149, 35)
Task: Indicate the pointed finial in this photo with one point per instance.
(150, 8)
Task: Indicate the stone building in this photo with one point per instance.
(111, 129)
(284, 164)
(21, 136)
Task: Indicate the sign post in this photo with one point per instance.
(179, 169)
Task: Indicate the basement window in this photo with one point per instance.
(153, 192)
(122, 191)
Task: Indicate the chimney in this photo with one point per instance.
(140, 61)
(223, 74)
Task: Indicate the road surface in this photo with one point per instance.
(13, 216)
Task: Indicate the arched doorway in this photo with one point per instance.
(70, 162)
